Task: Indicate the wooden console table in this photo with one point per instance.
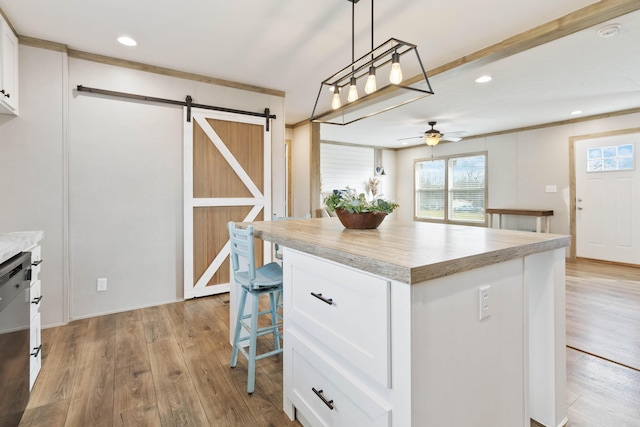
(538, 213)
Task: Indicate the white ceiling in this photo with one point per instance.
(292, 45)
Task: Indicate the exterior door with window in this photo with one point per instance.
(608, 198)
(227, 177)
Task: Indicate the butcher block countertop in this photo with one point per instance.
(406, 251)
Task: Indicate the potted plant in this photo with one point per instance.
(356, 211)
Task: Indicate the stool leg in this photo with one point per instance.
(273, 299)
(236, 334)
(252, 344)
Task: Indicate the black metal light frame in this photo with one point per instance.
(383, 99)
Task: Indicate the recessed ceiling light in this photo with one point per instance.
(576, 112)
(127, 41)
(483, 79)
(609, 30)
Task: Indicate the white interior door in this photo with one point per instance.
(608, 198)
(227, 177)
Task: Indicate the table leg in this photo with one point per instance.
(538, 224)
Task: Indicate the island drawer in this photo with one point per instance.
(326, 397)
(344, 310)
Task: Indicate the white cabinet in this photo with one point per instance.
(362, 350)
(337, 368)
(35, 297)
(8, 69)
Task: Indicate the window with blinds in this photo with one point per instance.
(451, 189)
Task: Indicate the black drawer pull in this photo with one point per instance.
(36, 300)
(323, 299)
(37, 351)
(35, 263)
(318, 393)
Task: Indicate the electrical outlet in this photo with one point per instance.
(102, 285)
(483, 302)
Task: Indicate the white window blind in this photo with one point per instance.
(345, 165)
(451, 188)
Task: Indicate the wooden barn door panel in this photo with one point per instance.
(227, 178)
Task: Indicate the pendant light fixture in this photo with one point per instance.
(396, 72)
(381, 60)
(353, 89)
(336, 102)
(371, 86)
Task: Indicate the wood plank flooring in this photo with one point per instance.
(169, 365)
(159, 366)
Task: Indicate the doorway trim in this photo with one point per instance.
(572, 179)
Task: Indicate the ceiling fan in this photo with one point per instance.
(433, 136)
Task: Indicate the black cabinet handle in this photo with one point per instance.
(323, 299)
(36, 300)
(37, 351)
(318, 393)
(35, 263)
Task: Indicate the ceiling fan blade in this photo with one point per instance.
(411, 137)
(458, 134)
(450, 139)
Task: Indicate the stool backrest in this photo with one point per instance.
(241, 245)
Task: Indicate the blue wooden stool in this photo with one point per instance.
(263, 280)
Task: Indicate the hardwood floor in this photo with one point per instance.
(603, 339)
(169, 365)
(165, 365)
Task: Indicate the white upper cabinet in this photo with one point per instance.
(8, 70)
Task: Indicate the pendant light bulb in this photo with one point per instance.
(336, 102)
(353, 90)
(370, 87)
(396, 72)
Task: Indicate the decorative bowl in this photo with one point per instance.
(360, 221)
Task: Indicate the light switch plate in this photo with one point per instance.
(551, 189)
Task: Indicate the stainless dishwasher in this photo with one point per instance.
(15, 277)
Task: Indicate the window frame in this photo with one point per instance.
(447, 190)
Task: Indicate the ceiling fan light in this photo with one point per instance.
(353, 90)
(395, 76)
(371, 87)
(432, 139)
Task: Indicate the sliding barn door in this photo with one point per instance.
(227, 177)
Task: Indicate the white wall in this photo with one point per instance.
(32, 182)
(300, 170)
(124, 178)
(520, 166)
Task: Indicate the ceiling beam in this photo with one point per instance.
(573, 22)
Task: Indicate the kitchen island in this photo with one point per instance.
(420, 324)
